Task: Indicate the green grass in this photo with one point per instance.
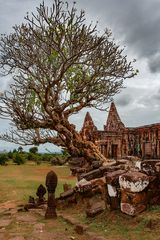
(19, 182)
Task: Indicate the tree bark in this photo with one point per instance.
(78, 147)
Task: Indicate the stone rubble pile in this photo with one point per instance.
(126, 184)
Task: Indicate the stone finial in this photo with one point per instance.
(51, 181)
(51, 184)
(41, 191)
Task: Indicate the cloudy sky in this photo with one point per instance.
(135, 24)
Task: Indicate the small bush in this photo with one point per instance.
(3, 158)
(10, 155)
(19, 159)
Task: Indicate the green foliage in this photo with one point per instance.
(20, 149)
(46, 157)
(3, 158)
(10, 155)
(33, 150)
(19, 159)
(65, 153)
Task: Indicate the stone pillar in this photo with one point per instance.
(112, 200)
(51, 184)
(133, 192)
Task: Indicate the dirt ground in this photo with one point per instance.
(31, 225)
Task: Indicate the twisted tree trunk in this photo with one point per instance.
(77, 146)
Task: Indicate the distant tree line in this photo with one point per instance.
(19, 156)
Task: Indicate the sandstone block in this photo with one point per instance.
(92, 174)
(149, 166)
(132, 210)
(133, 181)
(134, 198)
(67, 193)
(113, 177)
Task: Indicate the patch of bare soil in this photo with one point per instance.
(31, 225)
(8, 205)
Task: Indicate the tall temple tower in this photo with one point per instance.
(114, 123)
(88, 128)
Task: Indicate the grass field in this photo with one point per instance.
(17, 183)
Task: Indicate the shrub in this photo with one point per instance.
(3, 158)
(19, 159)
(10, 155)
(33, 150)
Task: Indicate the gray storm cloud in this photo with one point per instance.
(136, 22)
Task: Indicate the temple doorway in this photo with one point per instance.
(114, 151)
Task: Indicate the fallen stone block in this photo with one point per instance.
(96, 164)
(108, 169)
(113, 177)
(77, 170)
(133, 181)
(77, 161)
(134, 198)
(67, 194)
(149, 167)
(92, 174)
(95, 210)
(132, 210)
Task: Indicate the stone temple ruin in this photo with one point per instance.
(130, 179)
(118, 141)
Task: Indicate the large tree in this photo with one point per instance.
(59, 65)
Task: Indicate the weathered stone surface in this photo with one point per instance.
(133, 181)
(92, 174)
(113, 177)
(114, 203)
(138, 164)
(112, 200)
(112, 191)
(77, 170)
(134, 198)
(109, 169)
(118, 141)
(51, 181)
(96, 164)
(67, 194)
(96, 209)
(41, 191)
(51, 184)
(157, 167)
(149, 166)
(153, 192)
(132, 210)
(77, 161)
(123, 162)
(83, 185)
